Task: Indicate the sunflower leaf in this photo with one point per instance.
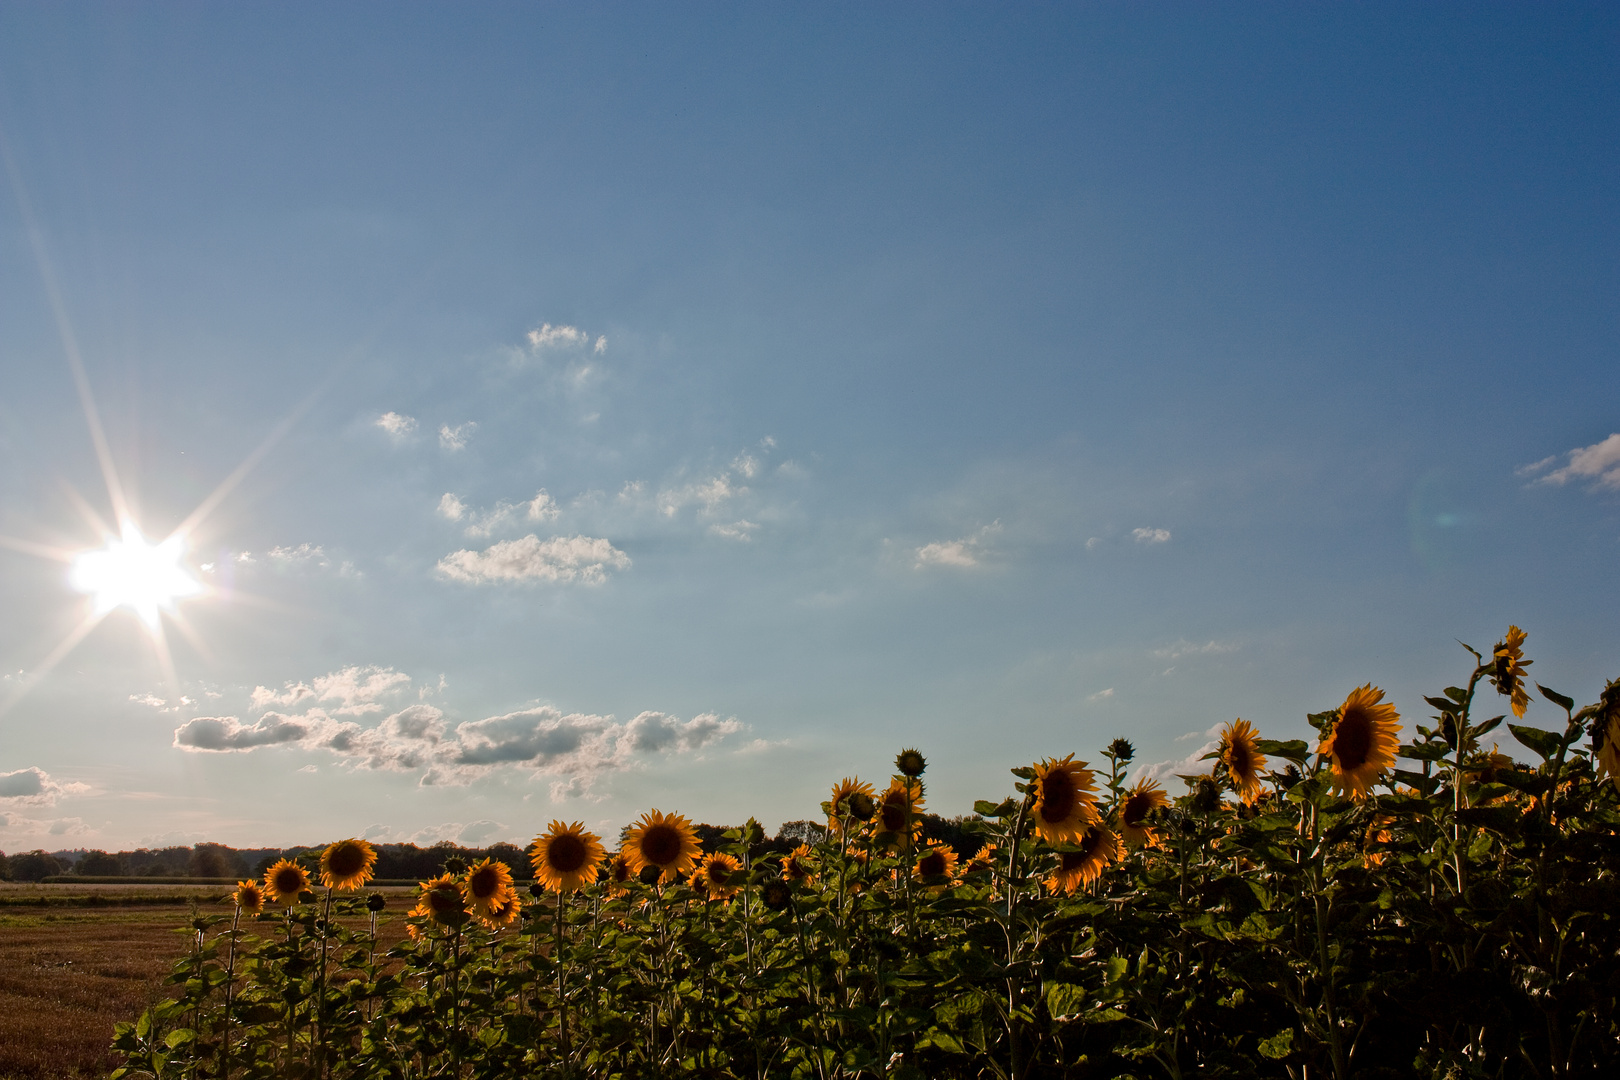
(1542, 742)
(1565, 703)
(1293, 749)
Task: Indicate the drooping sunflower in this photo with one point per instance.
(839, 807)
(1065, 803)
(1134, 810)
(1507, 671)
(487, 886)
(620, 874)
(566, 857)
(249, 897)
(1361, 744)
(796, 865)
(284, 881)
(936, 861)
(665, 841)
(722, 875)
(1098, 849)
(347, 864)
(441, 900)
(1242, 758)
(897, 808)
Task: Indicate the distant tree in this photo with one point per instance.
(5, 867)
(99, 864)
(802, 832)
(215, 860)
(34, 866)
(512, 856)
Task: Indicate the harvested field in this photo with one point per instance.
(74, 961)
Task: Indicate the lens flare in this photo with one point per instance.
(131, 572)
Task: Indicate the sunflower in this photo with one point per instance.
(1361, 744)
(840, 807)
(897, 807)
(665, 841)
(487, 886)
(441, 901)
(505, 913)
(1134, 810)
(776, 894)
(249, 897)
(619, 873)
(1607, 752)
(1065, 805)
(347, 864)
(796, 865)
(1242, 758)
(910, 763)
(721, 874)
(1376, 836)
(284, 881)
(936, 861)
(983, 861)
(1507, 670)
(1097, 849)
(566, 857)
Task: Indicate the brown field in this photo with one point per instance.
(74, 960)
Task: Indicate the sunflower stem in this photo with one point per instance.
(562, 989)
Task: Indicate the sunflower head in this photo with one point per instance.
(936, 864)
(566, 857)
(347, 864)
(1121, 750)
(722, 875)
(796, 865)
(842, 806)
(666, 842)
(1136, 811)
(454, 865)
(983, 861)
(504, 913)
(1065, 799)
(1241, 758)
(376, 902)
(442, 901)
(776, 894)
(487, 886)
(1606, 745)
(898, 819)
(1507, 670)
(1095, 851)
(910, 763)
(1362, 741)
(619, 873)
(249, 897)
(284, 881)
(862, 807)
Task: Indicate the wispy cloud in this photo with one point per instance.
(356, 690)
(561, 337)
(561, 559)
(483, 523)
(1599, 462)
(451, 508)
(455, 438)
(966, 552)
(397, 425)
(1177, 650)
(1151, 536)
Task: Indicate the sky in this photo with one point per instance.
(561, 411)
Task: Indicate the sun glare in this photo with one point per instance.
(130, 572)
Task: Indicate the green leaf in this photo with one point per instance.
(985, 808)
(1066, 999)
(1542, 742)
(1279, 1045)
(1489, 725)
(179, 1037)
(1024, 772)
(1433, 751)
(1292, 749)
(1565, 703)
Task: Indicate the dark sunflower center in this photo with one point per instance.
(288, 881)
(717, 873)
(1073, 860)
(1352, 739)
(484, 882)
(1238, 759)
(1136, 809)
(661, 844)
(1058, 796)
(621, 871)
(346, 860)
(443, 901)
(566, 853)
(893, 814)
(932, 864)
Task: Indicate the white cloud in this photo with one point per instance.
(543, 507)
(483, 523)
(560, 559)
(738, 530)
(1599, 462)
(301, 555)
(356, 689)
(1102, 695)
(455, 438)
(575, 749)
(601, 344)
(148, 699)
(451, 508)
(1092, 542)
(1177, 650)
(35, 787)
(967, 552)
(1150, 536)
(560, 337)
(397, 425)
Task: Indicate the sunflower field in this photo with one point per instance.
(1390, 901)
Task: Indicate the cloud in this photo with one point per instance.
(543, 507)
(481, 524)
(967, 552)
(1102, 695)
(300, 555)
(1150, 536)
(357, 690)
(451, 508)
(34, 786)
(222, 734)
(455, 438)
(560, 559)
(1184, 647)
(601, 344)
(575, 748)
(1599, 462)
(398, 426)
(741, 529)
(148, 699)
(561, 337)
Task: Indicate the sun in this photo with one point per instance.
(130, 572)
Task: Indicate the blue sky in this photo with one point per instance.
(687, 406)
